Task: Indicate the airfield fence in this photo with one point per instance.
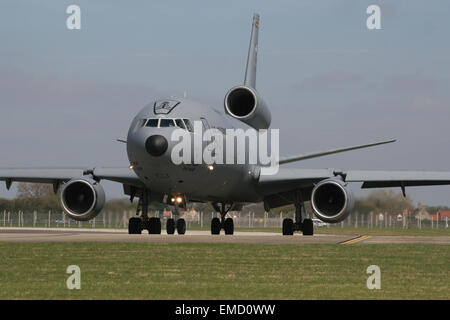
(199, 220)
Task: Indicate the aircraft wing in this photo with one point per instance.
(318, 154)
(57, 175)
(121, 175)
(384, 179)
(289, 179)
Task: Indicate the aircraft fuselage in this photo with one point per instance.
(201, 182)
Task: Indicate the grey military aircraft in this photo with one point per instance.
(152, 176)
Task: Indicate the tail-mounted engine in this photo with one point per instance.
(244, 103)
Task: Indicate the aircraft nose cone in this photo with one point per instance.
(156, 145)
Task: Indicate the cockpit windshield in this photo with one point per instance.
(180, 123)
(152, 123)
(189, 125)
(166, 123)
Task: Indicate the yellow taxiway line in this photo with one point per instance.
(356, 240)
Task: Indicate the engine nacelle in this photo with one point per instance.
(244, 103)
(82, 198)
(332, 200)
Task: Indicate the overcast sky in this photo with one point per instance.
(66, 95)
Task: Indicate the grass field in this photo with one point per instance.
(223, 271)
(412, 231)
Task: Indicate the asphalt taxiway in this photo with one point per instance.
(9, 234)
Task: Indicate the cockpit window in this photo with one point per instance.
(188, 125)
(205, 124)
(153, 123)
(180, 123)
(166, 123)
(140, 124)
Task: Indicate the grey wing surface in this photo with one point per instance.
(56, 176)
(289, 179)
(383, 179)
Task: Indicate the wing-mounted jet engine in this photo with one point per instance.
(332, 200)
(82, 198)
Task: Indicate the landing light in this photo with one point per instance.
(179, 199)
(210, 168)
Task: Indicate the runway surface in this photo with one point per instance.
(121, 235)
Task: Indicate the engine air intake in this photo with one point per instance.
(331, 200)
(244, 103)
(82, 198)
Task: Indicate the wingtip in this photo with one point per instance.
(388, 141)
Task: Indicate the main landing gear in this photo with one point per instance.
(227, 224)
(153, 224)
(304, 225)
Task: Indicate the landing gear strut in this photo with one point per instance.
(305, 225)
(227, 224)
(137, 224)
(153, 224)
(176, 223)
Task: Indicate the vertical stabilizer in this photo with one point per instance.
(250, 73)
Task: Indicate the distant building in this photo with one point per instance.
(420, 213)
(408, 216)
(192, 215)
(390, 217)
(441, 215)
(392, 214)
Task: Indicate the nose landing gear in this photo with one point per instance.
(176, 223)
(227, 224)
(179, 226)
(153, 224)
(170, 226)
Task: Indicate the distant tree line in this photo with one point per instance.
(32, 197)
(376, 201)
(41, 198)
